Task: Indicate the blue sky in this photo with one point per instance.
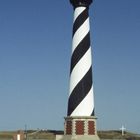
(35, 50)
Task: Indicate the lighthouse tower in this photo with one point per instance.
(80, 123)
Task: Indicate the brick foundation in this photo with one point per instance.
(91, 127)
(69, 127)
(80, 126)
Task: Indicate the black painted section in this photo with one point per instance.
(80, 91)
(93, 113)
(80, 51)
(80, 20)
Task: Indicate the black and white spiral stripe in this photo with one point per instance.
(81, 102)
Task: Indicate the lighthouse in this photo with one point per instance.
(81, 102)
(80, 123)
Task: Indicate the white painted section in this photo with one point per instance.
(18, 136)
(86, 107)
(80, 69)
(80, 34)
(77, 12)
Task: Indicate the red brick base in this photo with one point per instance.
(80, 126)
(91, 127)
(69, 127)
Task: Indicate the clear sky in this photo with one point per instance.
(35, 50)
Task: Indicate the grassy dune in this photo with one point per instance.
(50, 134)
